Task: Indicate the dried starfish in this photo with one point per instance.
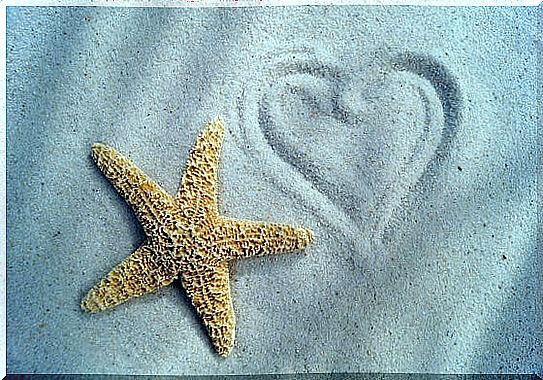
(186, 238)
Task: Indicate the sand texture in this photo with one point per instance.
(405, 138)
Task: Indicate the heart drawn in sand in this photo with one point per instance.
(363, 136)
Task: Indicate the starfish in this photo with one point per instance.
(186, 238)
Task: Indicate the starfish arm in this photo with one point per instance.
(208, 287)
(249, 238)
(140, 192)
(146, 270)
(198, 188)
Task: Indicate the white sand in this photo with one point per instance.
(405, 137)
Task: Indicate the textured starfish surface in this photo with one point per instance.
(186, 238)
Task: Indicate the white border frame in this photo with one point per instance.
(155, 3)
(260, 3)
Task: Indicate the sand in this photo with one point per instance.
(405, 137)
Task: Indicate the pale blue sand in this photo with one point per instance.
(405, 137)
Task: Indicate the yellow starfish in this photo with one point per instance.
(186, 237)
